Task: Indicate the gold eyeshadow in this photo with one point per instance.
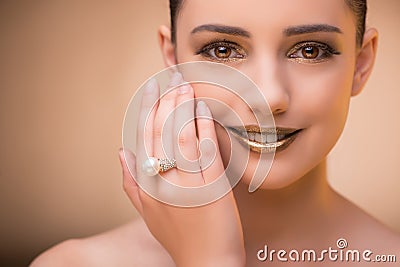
(325, 52)
(209, 51)
(232, 51)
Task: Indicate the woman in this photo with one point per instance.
(308, 57)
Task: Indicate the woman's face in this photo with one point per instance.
(302, 56)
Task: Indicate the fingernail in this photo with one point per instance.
(202, 109)
(183, 89)
(150, 86)
(176, 79)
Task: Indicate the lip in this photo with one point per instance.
(264, 139)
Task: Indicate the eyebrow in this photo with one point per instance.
(290, 31)
(231, 30)
(310, 28)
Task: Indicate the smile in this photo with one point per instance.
(264, 140)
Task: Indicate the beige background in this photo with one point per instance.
(68, 70)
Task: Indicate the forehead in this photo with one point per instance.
(265, 15)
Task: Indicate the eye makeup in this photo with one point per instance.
(307, 49)
(222, 50)
(311, 52)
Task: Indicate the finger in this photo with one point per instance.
(163, 121)
(129, 184)
(148, 108)
(185, 144)
(210, 157)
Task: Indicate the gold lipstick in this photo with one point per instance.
(264, 139)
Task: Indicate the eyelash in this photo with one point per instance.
(325, 51)
(208, 51)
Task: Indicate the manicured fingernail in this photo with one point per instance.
(202, 109)
(184, 89)
(176, 79)
(150, 86)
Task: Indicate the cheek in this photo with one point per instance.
(321, 95)
(226, 106)
(319, 100)
(224, 143)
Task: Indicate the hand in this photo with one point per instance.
(209, 235)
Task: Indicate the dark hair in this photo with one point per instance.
(359, 8)
(174, 7)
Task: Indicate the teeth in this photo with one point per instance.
(271, 138)
(264, 138)
(258, 137)
(251, 136)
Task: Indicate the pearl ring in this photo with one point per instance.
(152, 166)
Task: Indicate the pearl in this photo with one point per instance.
(151, 166)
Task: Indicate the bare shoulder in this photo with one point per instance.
(369, 233)
(381, 243)
(386, 238)
(129, 245)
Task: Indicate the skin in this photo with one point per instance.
(295, 207)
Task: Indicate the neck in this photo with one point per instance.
(269, 214)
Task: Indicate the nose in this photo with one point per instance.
(270, 78)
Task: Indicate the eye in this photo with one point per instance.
(223, 51)
(312, 52)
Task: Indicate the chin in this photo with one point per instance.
(289, 166)
(275, 180)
